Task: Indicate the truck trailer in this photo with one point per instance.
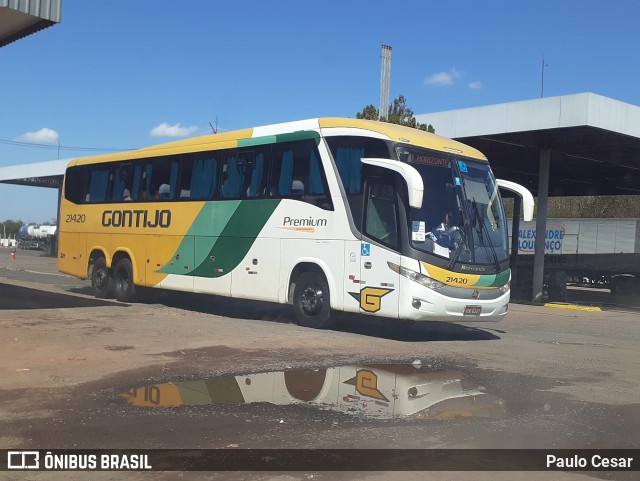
(602, 252)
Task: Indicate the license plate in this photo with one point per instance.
(472, 310)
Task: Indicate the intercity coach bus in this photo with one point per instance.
(325, 214)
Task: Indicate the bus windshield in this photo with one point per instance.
(462, 217)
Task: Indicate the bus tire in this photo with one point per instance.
(101, 281)
(311, 301)
(123, 286)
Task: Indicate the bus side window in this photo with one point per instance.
(297, 173)
(381, 219)
(122, 183)
(76, 184)
(98, 184)
(257, 169)
(232, 176)
(160, 179)
(204, 179)
(347, 152)
(184, 178)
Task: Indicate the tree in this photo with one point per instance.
(368, 113)
(398, 114)
(11, 227)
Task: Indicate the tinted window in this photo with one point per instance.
(347, 152)
(159, 179)
(75, 184)
(381, 218)
(98, 184)
(198, 178)
(123, 183)
(244, 173)
(297, 173)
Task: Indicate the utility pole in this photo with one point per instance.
(385, 82)
(542, 87)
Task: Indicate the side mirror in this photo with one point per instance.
(522, 191)
(410, 175)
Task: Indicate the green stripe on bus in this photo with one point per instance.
(267, 139)
(272, 139)
(236, 238)
(206, 228)
(193, 393)
(224, 391)
(494, 280)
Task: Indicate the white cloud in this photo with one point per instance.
(177, 130)
(443, 78)
(42, 136)
(474, 85)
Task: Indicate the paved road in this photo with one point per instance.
(543, 378)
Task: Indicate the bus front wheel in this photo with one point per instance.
(100, 278)
(311, 302)
(123, 286)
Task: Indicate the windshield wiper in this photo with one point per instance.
(465, 232)
(483, 226)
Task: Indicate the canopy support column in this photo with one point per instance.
(541, 225)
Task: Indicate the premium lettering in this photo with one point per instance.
(136, 218)
(310, 222)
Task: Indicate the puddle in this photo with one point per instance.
(380, 391)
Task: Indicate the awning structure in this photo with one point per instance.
(582, 144)
(20, 18)
(40, 174)
(594, 141)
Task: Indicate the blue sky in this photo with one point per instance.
(128, 74)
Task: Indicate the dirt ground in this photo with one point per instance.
(569, 379)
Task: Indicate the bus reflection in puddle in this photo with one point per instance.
(381, 391)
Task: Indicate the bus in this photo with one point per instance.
(325, 214)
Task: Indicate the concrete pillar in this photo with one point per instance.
(541, 225)
(56, 247)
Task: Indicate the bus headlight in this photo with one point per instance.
(506, 288)
(416, 276)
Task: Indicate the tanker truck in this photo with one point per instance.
(38, 237)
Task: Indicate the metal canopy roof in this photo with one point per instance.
(20, 18)
(41, 174)
(594, 141)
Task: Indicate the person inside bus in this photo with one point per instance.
(126, 195)
(443, 233)
(297, 188)
(446, 222)
(163, 192)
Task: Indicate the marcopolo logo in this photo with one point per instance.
(553, 237)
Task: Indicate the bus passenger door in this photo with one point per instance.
(379, 247)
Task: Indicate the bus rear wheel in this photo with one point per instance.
(101, 278)
(123, 286)
(311, 302)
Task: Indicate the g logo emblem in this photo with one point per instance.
(370, 298)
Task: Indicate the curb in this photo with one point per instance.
(572, 307)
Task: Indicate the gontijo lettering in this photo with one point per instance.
(136, 218)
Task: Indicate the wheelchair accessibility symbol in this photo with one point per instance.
(366, 249)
